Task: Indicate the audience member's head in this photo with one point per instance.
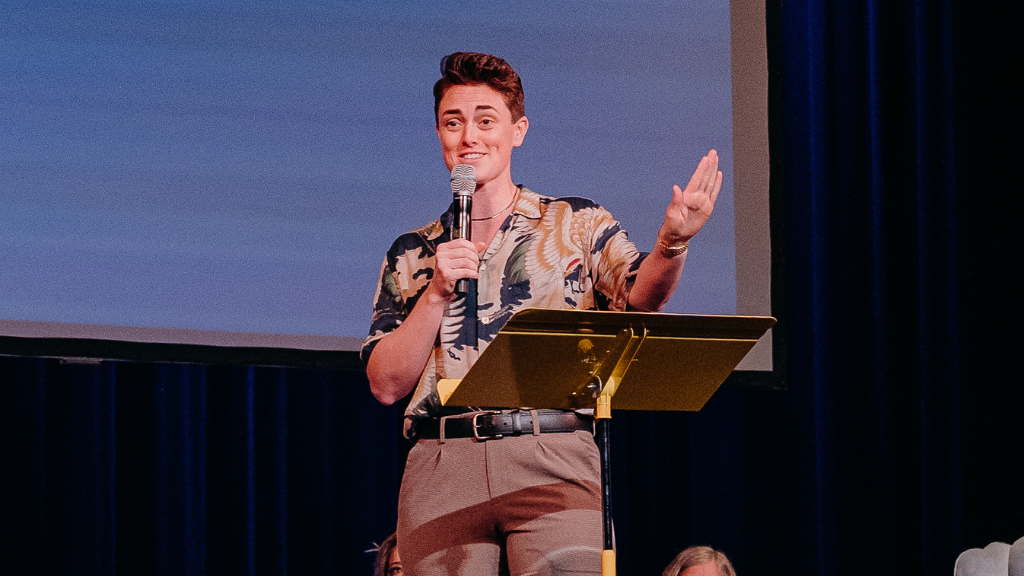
(700, 561)
(388, 563)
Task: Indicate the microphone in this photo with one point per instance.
(463, 186)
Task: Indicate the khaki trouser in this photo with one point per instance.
(518, 505)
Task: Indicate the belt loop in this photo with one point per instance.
(441, 437)
(535, 416)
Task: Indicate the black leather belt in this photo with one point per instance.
(494, 425)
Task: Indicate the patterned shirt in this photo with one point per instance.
(549, 253)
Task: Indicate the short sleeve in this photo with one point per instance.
(388, 311)
(614, 263)
(404, 275)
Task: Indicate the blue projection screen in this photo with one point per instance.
(232, 172)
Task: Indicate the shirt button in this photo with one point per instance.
(483, 265)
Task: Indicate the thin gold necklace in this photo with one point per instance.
(500, 212)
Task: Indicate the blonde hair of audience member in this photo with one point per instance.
(700, 561)
(388, 562)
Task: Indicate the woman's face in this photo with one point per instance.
(475, 127)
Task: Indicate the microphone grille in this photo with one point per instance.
(463, 180)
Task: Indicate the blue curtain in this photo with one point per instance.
(138, 468)
(898, 344)
(895, 446)
(872, 259)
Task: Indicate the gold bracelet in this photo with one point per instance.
(672, 251)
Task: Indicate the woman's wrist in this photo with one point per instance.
(670, 249)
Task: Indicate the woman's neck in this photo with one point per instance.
(487, 220)
(493, 197)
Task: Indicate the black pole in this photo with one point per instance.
(604, 444)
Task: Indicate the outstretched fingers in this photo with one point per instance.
(717, 187)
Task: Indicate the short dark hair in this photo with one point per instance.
(466, 68)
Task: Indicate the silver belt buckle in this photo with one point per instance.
(476, 427)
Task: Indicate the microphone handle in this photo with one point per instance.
(462, 227)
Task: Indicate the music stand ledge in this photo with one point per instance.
(583, 359)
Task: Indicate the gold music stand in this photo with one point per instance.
(579, 359)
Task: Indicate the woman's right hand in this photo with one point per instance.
(454, 261)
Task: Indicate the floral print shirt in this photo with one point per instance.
(549, 253)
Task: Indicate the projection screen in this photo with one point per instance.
(231, 173)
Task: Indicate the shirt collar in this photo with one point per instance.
(528, 204)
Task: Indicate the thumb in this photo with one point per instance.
(677, 194)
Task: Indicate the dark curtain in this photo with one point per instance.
(137, 468)
(896, 444)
